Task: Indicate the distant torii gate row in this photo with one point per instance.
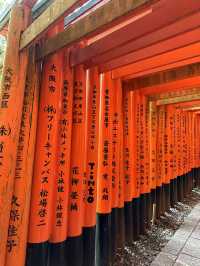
(89, 158)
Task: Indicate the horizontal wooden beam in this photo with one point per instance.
(176, 93)
(181, 99)
(147, 30)
(167, 59)
(167, 76)
(174, 36)
(57, 9)
(193, 108)
(171, 44)
(102, 16)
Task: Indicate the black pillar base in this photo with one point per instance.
(172, 193)
(162, 203)
(128, 214)
(175, 191)
(167, 196)
(121, 228)
(149, 209)
(103, 240)
(114, 230)
(89, 234)
(143, 214)
(158, 202)
(57, 254)
(180, 188)
(74, 251)
(136, 218)
(37, 254)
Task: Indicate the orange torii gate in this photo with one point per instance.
(98, 137)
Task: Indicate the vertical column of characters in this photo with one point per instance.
(59, 215)
(173, 186)
(196, 140)
(121, 223)
(160, 147)
(178, 151)
(185, 170)
(11, 104)
(77, 167)
(178, 132)
(136, 143)
(19, 215)
(152, 147)
(183, 140)
(180, 155)
(198, 137)
(168, 154)
(195, 151)
(191, 149)
(170, 126)
(45, 164)
(128, 163)
(166, 148)
(163, 176)
(116, 113)
(136, 204)
(143, 174)
(147, 162)
(143, 179)
(174, 143)
(160, 159)
(92, 144)
(188, 163)
(187, 141)
(170, 133)
(104, 177)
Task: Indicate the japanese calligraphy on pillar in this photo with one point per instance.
(45, 164)
(18, 200)
(127, 147)
(143, 177)
(92, 137)
(78, 151)
(160, 150)
(166, 147)
(170, 128)
(60, 214)
(116, 117)
(152, 144)
(104, 187)
(137, 123)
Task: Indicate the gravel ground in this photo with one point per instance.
(144, 251)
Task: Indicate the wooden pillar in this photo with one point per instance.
(11, 103)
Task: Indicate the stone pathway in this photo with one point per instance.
(184, 247)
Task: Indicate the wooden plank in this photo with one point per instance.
(104, 15)
(144, 53)
(167, 76)
(171, 94)
(11, 104)
(148, 30)
(193, 108)
(46, 19)
(181, 99)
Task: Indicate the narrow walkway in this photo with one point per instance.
(184, 247)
